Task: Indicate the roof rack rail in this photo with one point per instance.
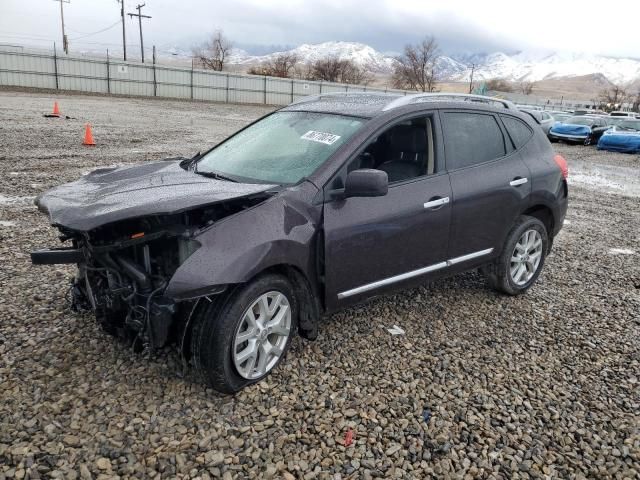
(430, 97)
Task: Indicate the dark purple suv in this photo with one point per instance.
(320, 205)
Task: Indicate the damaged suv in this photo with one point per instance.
(317, 206)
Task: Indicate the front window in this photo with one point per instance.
(629, 125)
(282, 148)
(581, 121)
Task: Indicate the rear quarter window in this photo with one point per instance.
(519, 131)
(471, 138)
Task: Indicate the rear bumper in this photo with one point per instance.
(560, 208)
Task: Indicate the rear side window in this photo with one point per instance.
(519, 132)
(471, 138)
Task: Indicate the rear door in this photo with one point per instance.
(490, 183)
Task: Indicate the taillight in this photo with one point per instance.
(562, 164)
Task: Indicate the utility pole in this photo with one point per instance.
(473, 67)
(65, 43)
(124, 35)
(140, 17)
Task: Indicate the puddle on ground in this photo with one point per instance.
(608, 178)
(6, 223)
(621, 251)
(16, 200)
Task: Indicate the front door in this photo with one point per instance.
(375, 244)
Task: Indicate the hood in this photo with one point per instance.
(620, 141)
(111, 194)
(571, 129)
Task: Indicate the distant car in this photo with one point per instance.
(624, 114)
(579, 129)
(560, 116)
(522, 106)
(622, 137)
(545, 120)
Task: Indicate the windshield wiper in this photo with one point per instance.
(215, 175)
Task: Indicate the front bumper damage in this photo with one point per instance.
(123, 280)
(129, 229)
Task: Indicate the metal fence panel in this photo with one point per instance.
(82, 75)
(247, 89)
(26, 63)
(32, 68)
(173, 83)
(41, 69)
(130, 87)
(333, 88)
(81, 84)
(30, 80)
(303, 88)
(173, 76)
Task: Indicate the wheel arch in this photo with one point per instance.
(545, 215)
(306, 294)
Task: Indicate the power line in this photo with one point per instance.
(95, 33)
(140, 17)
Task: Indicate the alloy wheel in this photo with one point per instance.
(262, 335)
(526, 257)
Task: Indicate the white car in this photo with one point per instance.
(624, 114)
(545, 120)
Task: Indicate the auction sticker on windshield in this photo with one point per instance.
(321, 137)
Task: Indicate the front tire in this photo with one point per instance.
(522, 257)
(240, 339)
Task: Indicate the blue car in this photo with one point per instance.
(579, 129)
(623, 137)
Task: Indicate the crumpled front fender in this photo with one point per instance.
(280, 231)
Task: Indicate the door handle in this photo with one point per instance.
(436, 202)
(518, 181)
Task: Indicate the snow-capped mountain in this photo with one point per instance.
(531, 66)
(361, 54)
(535, 67)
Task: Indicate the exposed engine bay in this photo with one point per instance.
(124, 268)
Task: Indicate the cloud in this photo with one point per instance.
(460, 26)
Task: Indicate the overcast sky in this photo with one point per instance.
(459, 26)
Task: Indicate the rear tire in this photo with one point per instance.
(522, 257)
(256, 321)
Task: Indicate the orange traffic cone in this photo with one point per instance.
(88, 136)
(55, 113)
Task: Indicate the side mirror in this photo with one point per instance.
(366, 182)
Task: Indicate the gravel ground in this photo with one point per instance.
(481, 385)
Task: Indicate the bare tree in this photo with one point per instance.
(213, 53)
(354, 74)
(416, 68)
(613, 97)
(326, 69)
(499, 85)
(333, 69)
(282, 65)
(526, 87)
